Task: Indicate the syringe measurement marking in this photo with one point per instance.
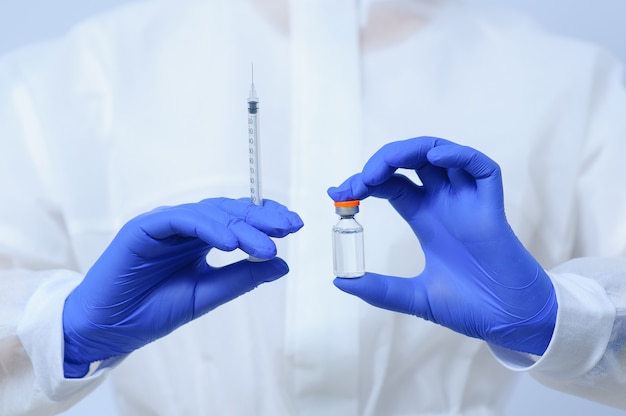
(254, 146)
(255, 192)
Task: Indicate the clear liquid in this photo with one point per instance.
(348, 249)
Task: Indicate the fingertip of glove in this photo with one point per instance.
(352, 188)
(270, 270)
(296, 222)
(439, 153)
(332, 192)
(338, 283)
(344, 284)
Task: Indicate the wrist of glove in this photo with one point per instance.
(478, 280)
(154, 276)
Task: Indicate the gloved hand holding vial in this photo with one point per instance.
(478, 279)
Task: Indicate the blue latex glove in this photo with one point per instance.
(153, 277)
(478, 278)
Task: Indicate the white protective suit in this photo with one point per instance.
(146, 106)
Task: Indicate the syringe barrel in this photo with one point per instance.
(254, 150)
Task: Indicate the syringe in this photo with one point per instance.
(254, 146)
(254, 150)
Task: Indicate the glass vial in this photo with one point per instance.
(348, 248)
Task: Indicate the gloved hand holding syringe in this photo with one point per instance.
(155, 276)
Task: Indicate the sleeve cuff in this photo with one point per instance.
(41, 334)
(583, 327)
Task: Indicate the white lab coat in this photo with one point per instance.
(145, 106)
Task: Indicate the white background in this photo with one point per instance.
(599, 21)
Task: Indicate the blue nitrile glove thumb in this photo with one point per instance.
(154, 277)
(478, 279)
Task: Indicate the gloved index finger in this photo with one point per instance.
(351, 188)
(409, 154)
(485, 171)
(187, 221)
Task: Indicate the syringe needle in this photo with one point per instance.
(252, 96)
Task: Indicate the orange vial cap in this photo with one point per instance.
(347, 204)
